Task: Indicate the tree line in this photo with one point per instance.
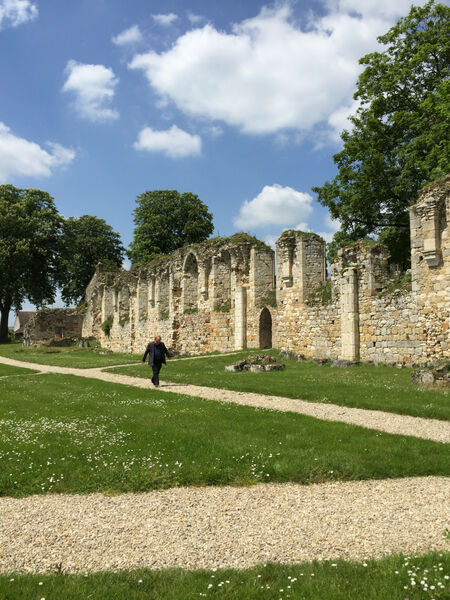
(398, 142)
(41, 252)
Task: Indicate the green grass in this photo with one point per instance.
(70, 356)
(7, 370)
(63, 433)
(386, 579)
(365, 386)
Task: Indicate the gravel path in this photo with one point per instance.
(430, 429)
(219, 527)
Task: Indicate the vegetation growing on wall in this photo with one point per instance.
(123, 320)
(223, 305)
(106, 326)
(401, 282)
(270, 299)
(321, 295)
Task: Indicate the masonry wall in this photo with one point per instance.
(49, 325)
(200, 299)
(225, 295)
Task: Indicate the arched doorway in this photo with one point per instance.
(265, 329)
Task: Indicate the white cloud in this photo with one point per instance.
(338, 120)
(93, 86)
(270, 74)
(16, 12)
(386, 9)
(271, 240)
(332, 225)
(194, 19)
(19, 156)
(130, 36)
(165, 19)
(275, 205)
(173, 142)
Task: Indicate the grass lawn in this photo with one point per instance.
(63, 433)
(387, 579)
(365, 386)
(71, 356)
(6, 370)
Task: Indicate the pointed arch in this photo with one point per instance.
(265, 328)
(190, 282)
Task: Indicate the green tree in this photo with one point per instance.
(400, 135)
(166, 220)
(85, 241)
(30, 230)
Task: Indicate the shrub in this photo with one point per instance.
(223, 305)
(106, 326)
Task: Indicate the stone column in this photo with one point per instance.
(349, 315)
(240, 318)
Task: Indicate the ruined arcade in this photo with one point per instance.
(227, 294)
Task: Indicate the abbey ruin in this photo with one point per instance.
(235, 293)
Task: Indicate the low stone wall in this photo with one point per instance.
(49, 325)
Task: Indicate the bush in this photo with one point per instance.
(106, 326)
(223, 305)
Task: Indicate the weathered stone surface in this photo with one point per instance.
(344, 363)
(53, 325)
(274, 367)
(422, 377)
(256, 368)
(320, 361)
(222, 295)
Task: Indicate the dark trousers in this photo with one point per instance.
(157, 364)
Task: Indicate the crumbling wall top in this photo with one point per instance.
(292, 236)
(361, 251)
(432, 195)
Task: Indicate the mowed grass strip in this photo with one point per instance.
(70, 356)
(365, 386)
(7, 370)
(68, 434)
(390, 578)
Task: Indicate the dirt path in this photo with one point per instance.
(219, 527)
(430, 429)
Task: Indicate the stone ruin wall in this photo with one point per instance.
(224, 295)
(52, 325)
(200, 299)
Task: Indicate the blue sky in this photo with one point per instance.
(239, 102)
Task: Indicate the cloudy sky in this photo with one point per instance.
(239, 102)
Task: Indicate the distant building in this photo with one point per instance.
(22, 318)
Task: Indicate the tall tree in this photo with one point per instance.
(400, 136)
(166, 220)
(30, 229)
(86, 240)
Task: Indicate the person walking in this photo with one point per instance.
(157, 353)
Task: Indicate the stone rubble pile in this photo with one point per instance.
(256, 363)
(439, 376)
